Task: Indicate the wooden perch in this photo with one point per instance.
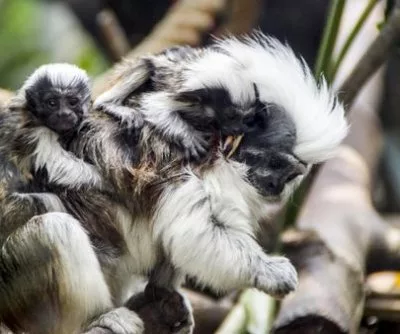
(117, 42)
(186, 22)
(5, 96)
(208, 313)
(339, 237)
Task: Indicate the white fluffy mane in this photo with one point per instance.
(62, 75)
(284, 79)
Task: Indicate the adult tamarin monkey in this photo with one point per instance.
(200, 216)
(204, 209)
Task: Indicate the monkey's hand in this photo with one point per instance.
(117, 321)
(194, 146)
(129, 118)
(276, 276)
(163, 311)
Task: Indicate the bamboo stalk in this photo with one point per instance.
(329, 37)
(352, 35)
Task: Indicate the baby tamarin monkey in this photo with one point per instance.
(187, 112)
(45, 252)
(35, 228)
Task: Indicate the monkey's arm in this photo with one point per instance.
(217, 246)
(130, 77)
(153, 108)
(174, 129)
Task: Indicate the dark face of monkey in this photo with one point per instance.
(58, 107)
(268, 153)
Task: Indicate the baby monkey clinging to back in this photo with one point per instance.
(188, 96)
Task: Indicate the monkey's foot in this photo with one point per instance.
(118, 321)
(163, 311)
(185, 324)
(276, 277)
(129, 118)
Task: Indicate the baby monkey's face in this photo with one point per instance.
(59, 108)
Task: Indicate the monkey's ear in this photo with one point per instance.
(30, 97)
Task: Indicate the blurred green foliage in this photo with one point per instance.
(19, 44)
(22, 48)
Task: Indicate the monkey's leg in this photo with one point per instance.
(133, 75)
(220, 251)
(50, 277)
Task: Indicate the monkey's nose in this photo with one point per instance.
(300, 169)
(274, 185)
(65, 113)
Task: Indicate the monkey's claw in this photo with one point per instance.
(196, 149)
(277, 277)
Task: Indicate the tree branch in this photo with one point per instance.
(339, 236)
(373, 58)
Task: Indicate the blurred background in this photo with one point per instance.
(33, 32)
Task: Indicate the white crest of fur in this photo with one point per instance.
(61, 75)
(215, 69)
(62, 166)
(285, 80)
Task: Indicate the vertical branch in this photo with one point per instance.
(353, 34)
(329, 37)
(113, 33)
(374, 57)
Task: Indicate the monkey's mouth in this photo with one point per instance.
(231, 144)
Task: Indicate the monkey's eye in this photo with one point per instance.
(52, 103)
(73, 101)
(250, 121)
(231, 116)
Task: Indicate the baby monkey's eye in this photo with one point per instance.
(52, 103)
(73, 101)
